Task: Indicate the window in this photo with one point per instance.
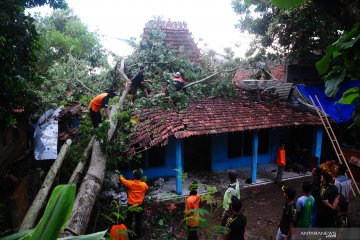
(263, 141)
(234, 145)
(155, 157)
(239, 144)
(248, 143)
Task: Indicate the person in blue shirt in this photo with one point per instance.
(137, 82)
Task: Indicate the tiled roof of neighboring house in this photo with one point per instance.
(277, 71)
(277, 82)
(177, 36)
(214, 116)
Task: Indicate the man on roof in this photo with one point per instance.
(99, 102)
(137, 82)
(179, 81)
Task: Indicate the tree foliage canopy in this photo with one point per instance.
(18, 47)
(294, 32)
(72, 60)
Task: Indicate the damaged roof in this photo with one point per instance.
(215, 116)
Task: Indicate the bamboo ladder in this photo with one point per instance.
(325, 121)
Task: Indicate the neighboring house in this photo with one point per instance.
(217, 134)
(177, 36)
(277, 84)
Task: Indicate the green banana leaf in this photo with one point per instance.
(19, 236)
(93, 236)
(57, 213)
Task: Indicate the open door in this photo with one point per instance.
(197, 153)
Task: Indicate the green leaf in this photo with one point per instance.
(347, 44)
(57, 212)
(336, 54)
(322, 66)
(18, 236)
(287, 4)
(247, 2)
(332, 85)
(93, 236)
(350, 96)
(161, 222)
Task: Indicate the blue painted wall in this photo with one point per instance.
(220, 160)
(219, 154)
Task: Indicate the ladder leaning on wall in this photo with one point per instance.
(325, 121)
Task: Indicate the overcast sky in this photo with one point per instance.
(213, 21)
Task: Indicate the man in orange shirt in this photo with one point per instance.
(99, 102)
(192, 219)
(280, 162)
(136, 195)
(119, 232)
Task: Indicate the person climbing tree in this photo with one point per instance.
(136, 195)
(137, 82)
(99, 102)
(179, 81)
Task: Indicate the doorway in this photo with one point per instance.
(197, 153)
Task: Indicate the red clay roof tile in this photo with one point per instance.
(215, 116)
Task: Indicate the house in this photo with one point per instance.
(177, 36)
(217, 134)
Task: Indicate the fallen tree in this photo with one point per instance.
(91, 185)
(39, 201)
(81, 165)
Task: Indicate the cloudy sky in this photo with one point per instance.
(210, 20)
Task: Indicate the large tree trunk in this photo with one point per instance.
(91, 185)
(88, 192)
(39, 201)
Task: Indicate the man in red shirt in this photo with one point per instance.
(136, 195)
(99, 102)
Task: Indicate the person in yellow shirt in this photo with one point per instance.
(136, 195)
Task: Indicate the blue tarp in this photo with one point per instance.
(341, 113)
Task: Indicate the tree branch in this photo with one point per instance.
(212, 75)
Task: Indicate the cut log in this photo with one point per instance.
(39, 201)
(91, 185)
(81, 165)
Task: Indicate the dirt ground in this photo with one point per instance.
(262, 206)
